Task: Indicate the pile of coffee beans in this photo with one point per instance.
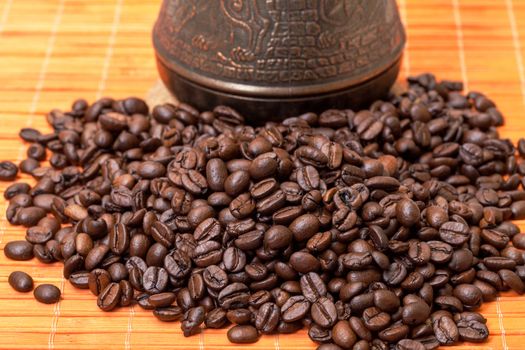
(379, 229)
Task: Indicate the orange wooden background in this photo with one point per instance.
(53, 51)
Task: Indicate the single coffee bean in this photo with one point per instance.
(267, 317)
(323, 312)
(454, 233)
(313, 287)
(47, 294)
(8, 171)
(98, 281)
(162, 299)
(343, 335)
(168, 314)
(243, 334)
(277, 237)
(294, 309)
(109, 298)
(446, 331)
(20, 281)
(19, 250)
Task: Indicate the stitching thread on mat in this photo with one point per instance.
(406, 56)
(127, 341)
(460, 43)
(517, 46)
(3, 21)
(54, 322)
(501, 326)
(5, 14)
(109, 51)
(32, 110)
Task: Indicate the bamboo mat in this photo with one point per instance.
(53, 51)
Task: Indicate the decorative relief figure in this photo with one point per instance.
(250, 26)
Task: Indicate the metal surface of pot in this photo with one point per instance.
(275, 58)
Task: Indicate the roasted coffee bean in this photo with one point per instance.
(454, 233)
(243, 334)
(312, 286)
(239, 316)
(215, 278)
(511, 279)
(472, 331)
(80, 279)
(155, 280)
(319, 334)
(304, 262)
(47, 294)
(8, 171)
(410, 344)
(109, 298)
(196, 286)
(294, 309)
(98, 280)
(168, 314)
(415, 313)
(277, 237)
(162, 299)
(20, 281)
(407, 212)
(235, 295)
(323, 312)
(445, 330)
(19, 250)
(267, 318)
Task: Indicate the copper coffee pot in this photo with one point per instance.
(271, 59)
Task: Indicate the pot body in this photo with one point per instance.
(272, 59)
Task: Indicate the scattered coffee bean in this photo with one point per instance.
(47, 294)
(243, 334)
(8, 171)
(21, 281)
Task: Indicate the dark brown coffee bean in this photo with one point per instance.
(119, 239)
(20, 281)
(294, 309)
(407, 212)
(98, 280)
(47, 294)
(512, 280)
(415, 313)
(162, 299)
(236, 183)
(267, 318)
(410, 344)
(243, 334)
(79, 279)
(207, 253)
(155, 280)
(235, 295)
(8, 171)
(168, 314)
(19, 250)
(323, 312)
(313, 287)
(242, 206)
(445, 330)
(277, 237)
(304, 262)
(215, 278)
(454, 233)
(304, 227)
(343, 335)
(110, 296)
